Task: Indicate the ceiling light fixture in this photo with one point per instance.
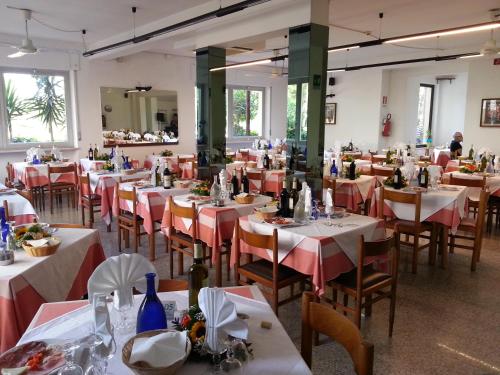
(447, 32)
(471, 56)
(140, 89)
(336, 70)
(343, 48)
(240, 65)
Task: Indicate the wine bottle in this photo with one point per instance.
(424, 179)
(167, 178)
(351, 146)
(157, 175)
(294, 197)
(245, 183)
(235, 189)
(151, 313)
(197, 274)
(397, 179)
(419, 176)
(284, 201)
(266, 161)
(96, 152)
(352, 170)
(333, 170)
(471, 152)
(91, 153)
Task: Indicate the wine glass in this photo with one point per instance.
(123, 301)
(232, 365)
(215, 345)
(70, 367)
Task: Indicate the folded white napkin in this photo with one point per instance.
(102, 321)
(119, 274)
(161, 350)
(329, 202)
(38, 243)
(221, 318)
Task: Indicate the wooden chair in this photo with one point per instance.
(257, 178)
(10, 179)
(382, 172)
(122, 179)
(425, 158)
(414, 227)
(269, 274)
(245, 155)
(319, 318)
(26, 194)
(179, 241)
(59, 189)
(171, 285)
(128, 221)
(493, 210)
(472, 183)
(364, 281)
(473, 229)
(378, 159)
(67, 225)
(5, 205)
(89, 201)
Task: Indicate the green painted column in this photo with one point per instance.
(210, 110)
(307, 65)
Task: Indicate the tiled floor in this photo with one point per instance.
(447, 321)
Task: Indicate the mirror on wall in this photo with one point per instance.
(134, 117)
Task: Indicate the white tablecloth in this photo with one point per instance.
(274, 352)
(95, 176)
(90, 165)
(18, 205)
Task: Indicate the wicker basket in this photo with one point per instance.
(265, 215)
(141, 368)
(247, 199)
(251, 164)
(42, 251)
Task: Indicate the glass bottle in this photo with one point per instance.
(245, 183)
(3, 224)
(424, 178)
(215, 191)
(352, 170)
(167, 178)
(197, 274)
(11, 237)
(284, 201)
(91, 153)
(333, 169)
(235, 189)
(397, 179)
(151, 314)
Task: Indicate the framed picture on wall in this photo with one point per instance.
(330, 113)
(490, 113)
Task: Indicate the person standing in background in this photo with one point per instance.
(456, 145)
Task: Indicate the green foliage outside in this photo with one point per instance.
(15, 106)
(291, 111)
(240, 112)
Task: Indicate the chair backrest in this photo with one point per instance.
(384, 172)
(127, 195)
(10, 172)
(481, 213)
(177, 211)
(319, 318)
(257, 176)
(66, 225)
(414, 198)
(245, 155)
(71, 168)
(469, 182)
(84, 182)
(262, 241)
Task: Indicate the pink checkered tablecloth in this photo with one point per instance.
(20, 209)
(185, 170)
(492, 183)
(104, 184)
(32, 281)
(273, 179)
(447, 206)
(36, 175)
(315, 249)
(441, 157)
(150, 203)
(353, 193)
(215, 224)
(91, 165)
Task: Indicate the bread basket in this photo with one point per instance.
(42, 251)
(244, 199)
(141, 368)
(266, 212)
(251, 164)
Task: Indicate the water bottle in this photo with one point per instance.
(151, 315)
(3, 224)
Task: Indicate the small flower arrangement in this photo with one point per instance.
(347, 158)
(201, 189)
(166, 153)
(108, 166)
(468, 168)
(47, 158)
(389, 181)
(102, 157)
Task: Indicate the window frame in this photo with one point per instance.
(4, 136)
(431, 111)
(229, 112)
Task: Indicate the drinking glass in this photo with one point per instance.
(216, 352)
(70, 367)
(123, 301)
(232, 365)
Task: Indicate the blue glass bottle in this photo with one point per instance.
(3, 224)
(333, 170)
(151, 314)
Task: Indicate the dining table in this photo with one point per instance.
(322, 249)
(37, 175)
(91, 165)
(273, 350)
(150, 206)
(445, 205)
(21, 210)
(31, 281)
(184, 170)
(353, 194)
(492, 182)
(215, 224)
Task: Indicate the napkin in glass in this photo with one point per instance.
(329, 201)
(161, 350)
(221, 317)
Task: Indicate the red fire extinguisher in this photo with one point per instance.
(386, 130)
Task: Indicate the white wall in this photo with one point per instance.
(484, 82)
(358, 98)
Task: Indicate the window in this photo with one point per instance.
(424, 113)
(245, 111)
(36, 108)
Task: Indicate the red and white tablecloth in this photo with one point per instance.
(20, 209)
(274, 351)
(273, 178)
(35, 175)
(446, 206)
(315, 249)
(215, 224)
(352, 193)
(441, 157)
(31, 281)
(91, 165)
(104, 184)
(492, 183)
(184, 169)
(150, 203)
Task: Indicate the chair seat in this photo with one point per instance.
(408, 226)
(92, 197)
(129, 217)
(371, 277)
(264, 269)
(467, 224)
(62, 185)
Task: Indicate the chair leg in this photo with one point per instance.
(91, 215)
(334, 298)
(368, 305)
(346, 302)
(119, 237)
(275, 301)
(171, 255)
(136, 238)
(51, 198)
(392, 311)
(126, 235)
(83, 215)
(415, 254)
(357, 314)
(180, 263)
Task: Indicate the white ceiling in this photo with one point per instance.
(108, 19)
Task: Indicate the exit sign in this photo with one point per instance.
(496, 61)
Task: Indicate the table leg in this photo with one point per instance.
(152, 245)
(444, 246)
(218, 267)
